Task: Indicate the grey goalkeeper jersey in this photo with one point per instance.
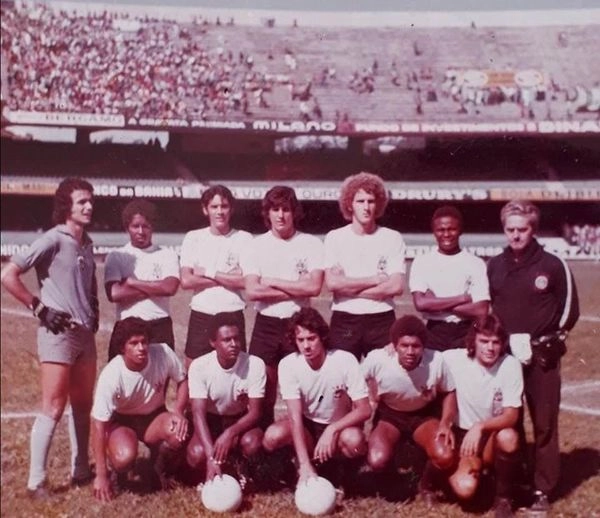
(66, 274)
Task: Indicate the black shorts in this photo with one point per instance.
(217, 424)
(406, 422)
(442, 336)
(360, 334)
(459, 435)
(315, 429)
(137, 422)
(160, 331)
(197, 343)
(269, 339)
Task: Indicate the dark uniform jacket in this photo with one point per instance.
(536, 295)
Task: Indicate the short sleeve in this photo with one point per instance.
(316, 252)
(42, 249)
(171, 263)
(188, 250)
(288, 381)
(197, 385)
(104, 405)
(257, 379)
(112, 268)
(446, 383)
(176, 369)
(417, 281)
(480, 286)
(355, 381)
(397, 254)
(330, 257)
(512, 382)
(249, 258)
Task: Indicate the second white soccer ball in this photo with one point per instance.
(222, 494)
(316, 496)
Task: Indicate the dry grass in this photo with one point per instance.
(577, 494)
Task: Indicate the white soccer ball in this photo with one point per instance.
(222, 494)
(316, 496)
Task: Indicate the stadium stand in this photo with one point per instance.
(487, 112)
(144, 67)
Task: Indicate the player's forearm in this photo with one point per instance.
(390, 287)
(342, 285)
(11, 280)
(124, 294)
(246, 422)
(430, 302)
(99, 447)
(194, 281)
(203, 431)
(298, 437)
(259, 292)
(159, 288)
(303, 287)
(233, 281)
(449, 409)
(181, 397)
(472, 309)
(507, 419)
(356, 417)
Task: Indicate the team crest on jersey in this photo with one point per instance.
(232, 260)
(302, 266)
(156, 271)
(339, 391)
(497, 406)
(541, 282)
(242, 395)
(382, 264)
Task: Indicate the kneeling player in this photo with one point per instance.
(227, 389)
(411, 382)
(129, 405)
(317, 384)
(489, 387)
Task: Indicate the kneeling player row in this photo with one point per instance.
(460, 406)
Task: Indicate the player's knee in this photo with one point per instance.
(195, 455)
(378, 458)
(352, 442)
(464, 484)
(54, 408)
(122, 456)
(274, 438)
(443, 457)
(507, 440)
(250, 444)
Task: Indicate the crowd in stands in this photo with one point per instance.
(64, 61)
(108, 63)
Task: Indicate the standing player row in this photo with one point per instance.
(362, 264)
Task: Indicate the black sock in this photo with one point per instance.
(506, 466)
(430, 479)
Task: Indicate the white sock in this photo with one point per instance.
(79, 434)
(41, 437)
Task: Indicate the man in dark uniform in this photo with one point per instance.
(534, 294)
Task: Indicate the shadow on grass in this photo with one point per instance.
(577, 466)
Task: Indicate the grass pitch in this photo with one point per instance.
(577, 495)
